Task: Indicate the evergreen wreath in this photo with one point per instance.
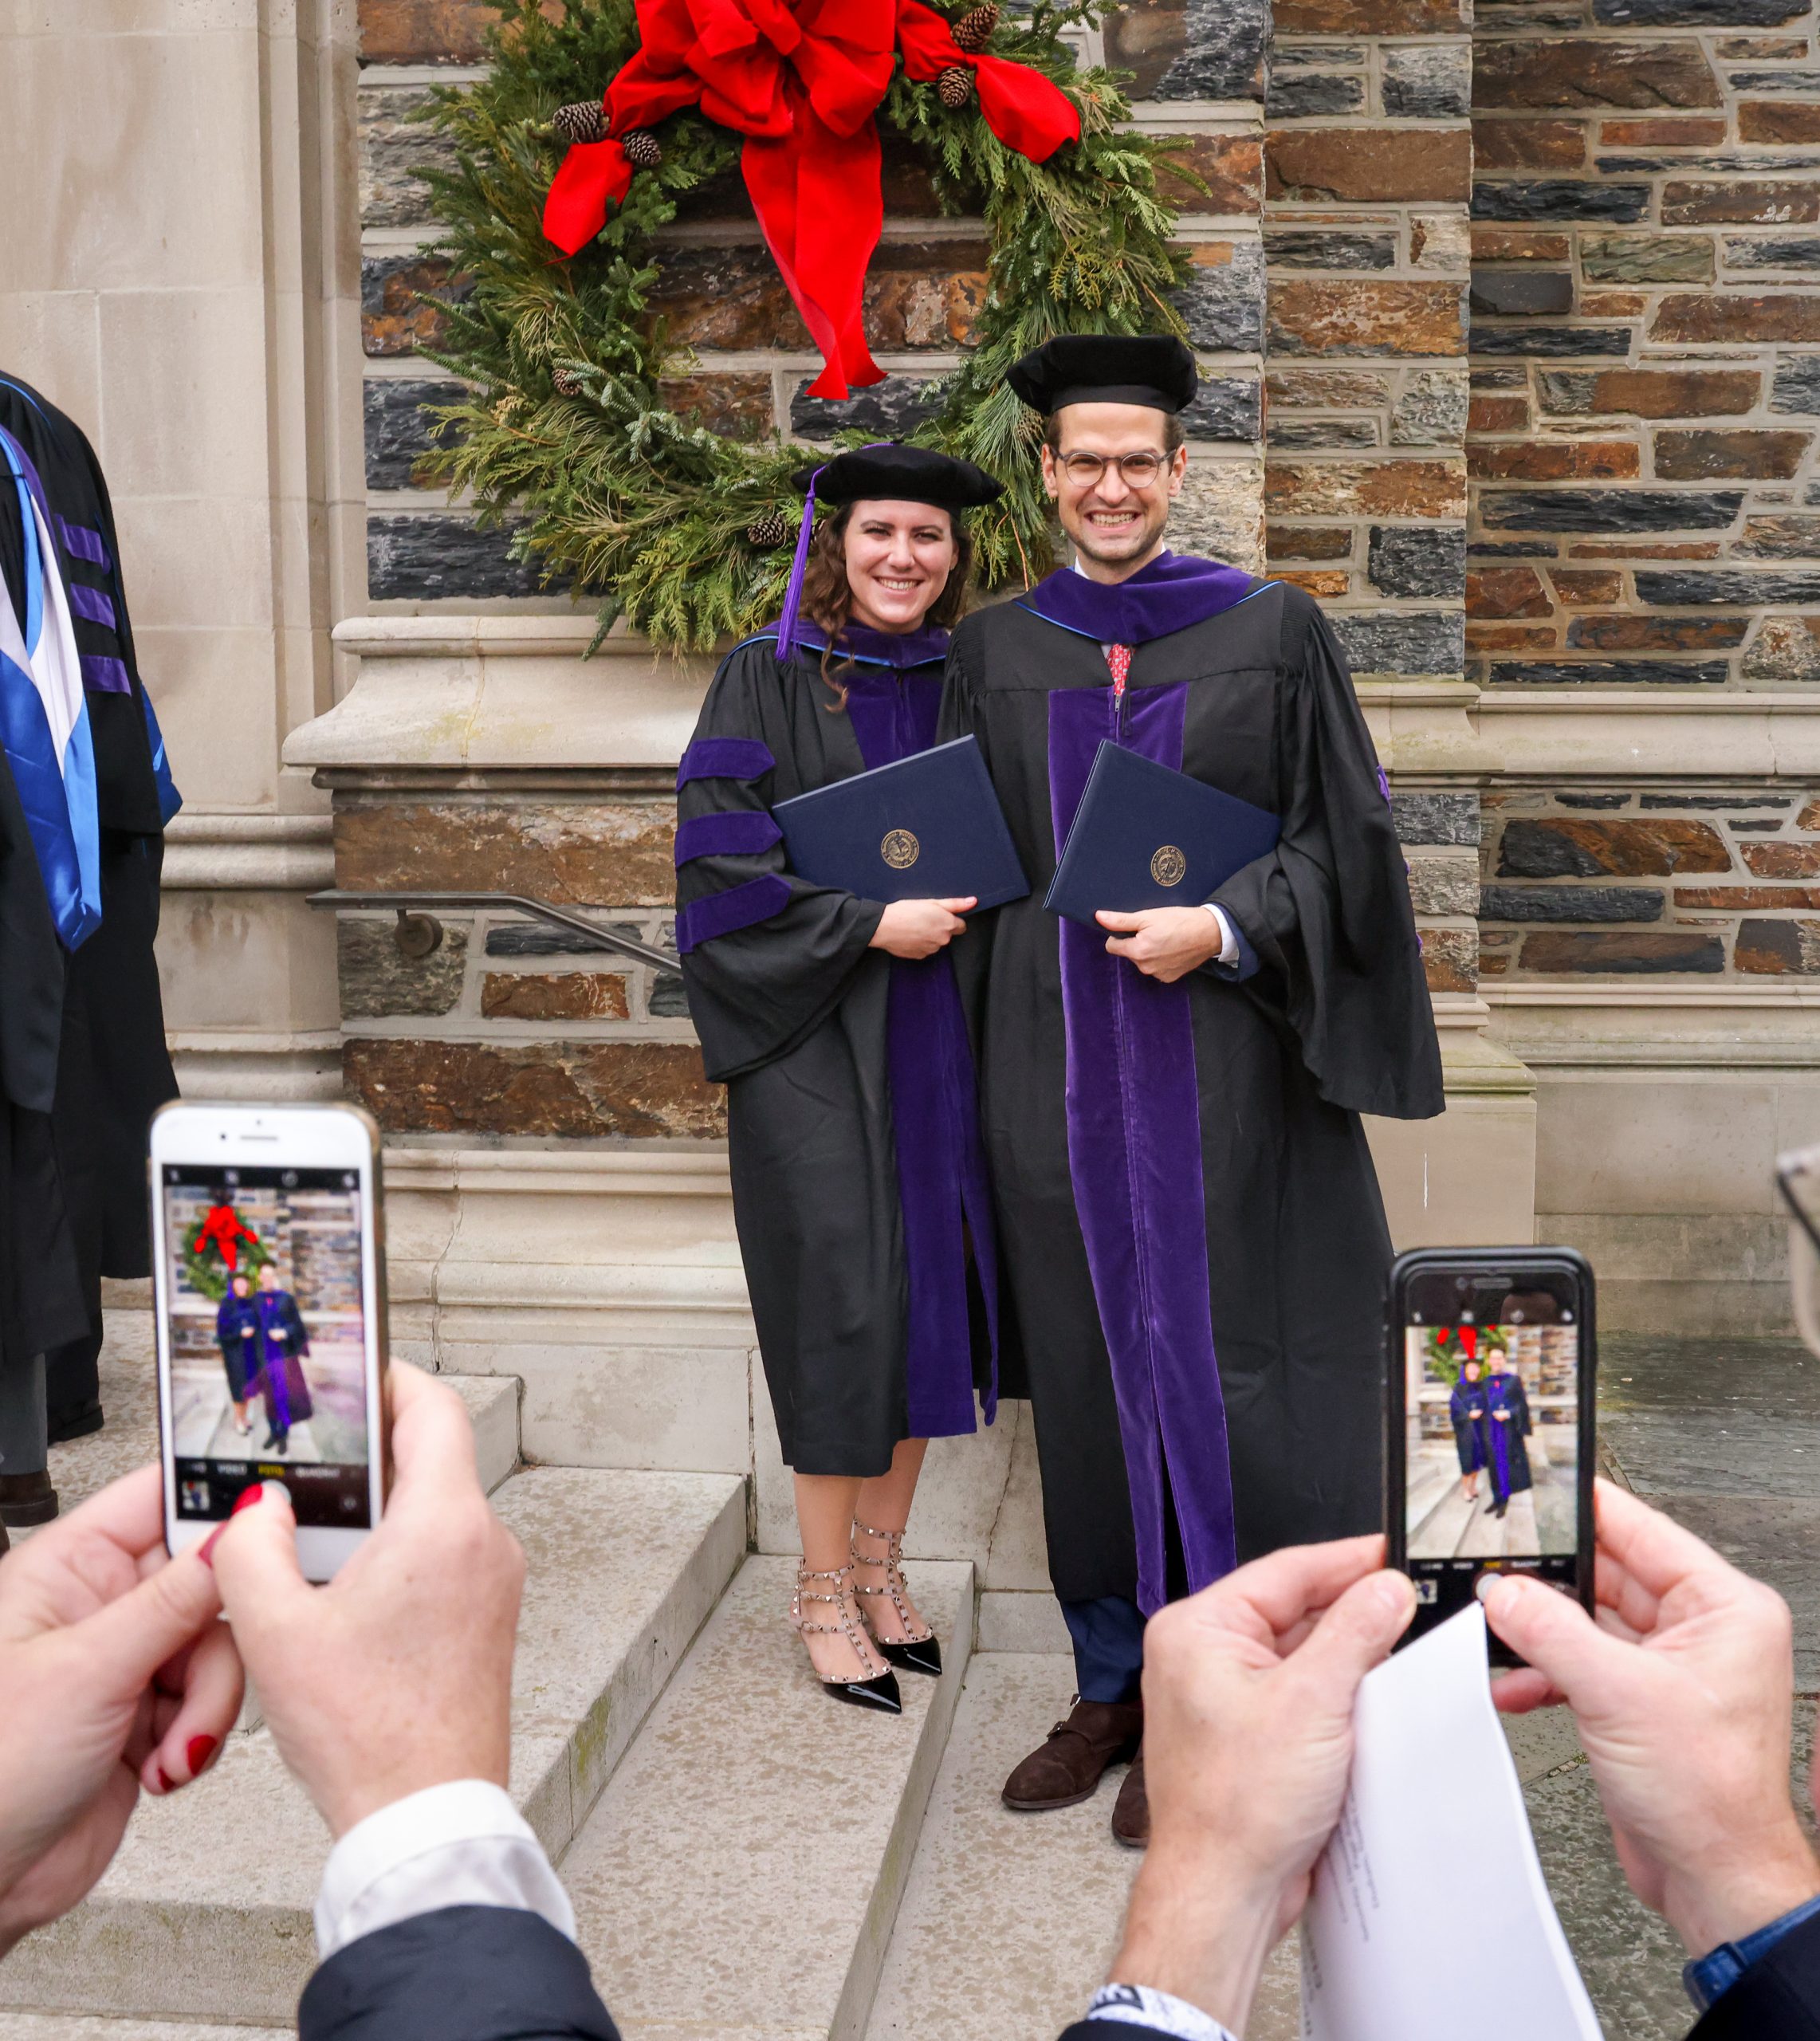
(564, 436)
(206, 1266)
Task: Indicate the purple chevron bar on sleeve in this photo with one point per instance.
(724, 758)
(84, 543)
(722, 914)
(739, 832)
(95, 604)
(103, 675)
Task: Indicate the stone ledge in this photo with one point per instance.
(256, 853)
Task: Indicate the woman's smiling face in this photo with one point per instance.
(898, 557)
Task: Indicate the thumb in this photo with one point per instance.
(1355, 1634)
(1107, 918)
(958, 905)
(255, 1560)
(1554, 1634)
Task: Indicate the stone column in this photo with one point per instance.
(178, 276)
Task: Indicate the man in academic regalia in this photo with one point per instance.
(1506, 1427)
(1190, 1223)
(283, 1342)
(86, 1021)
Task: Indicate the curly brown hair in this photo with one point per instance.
(828, 600)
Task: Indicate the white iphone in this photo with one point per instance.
(269, 1284)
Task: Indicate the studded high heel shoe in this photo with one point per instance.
(878, 1690)
(912, 1654)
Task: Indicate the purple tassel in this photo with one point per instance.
(793, 594)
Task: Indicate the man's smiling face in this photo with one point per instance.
(1116, 524)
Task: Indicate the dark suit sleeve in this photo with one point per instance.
(464, 1973)
(1778, 1999)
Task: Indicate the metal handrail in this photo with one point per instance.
(624, 946)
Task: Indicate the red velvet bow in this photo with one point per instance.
(221, 1225)
(801, 85)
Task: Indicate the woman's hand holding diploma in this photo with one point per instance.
(915, 929)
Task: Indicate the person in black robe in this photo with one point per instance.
(108, 1067)
(1506, 1427)
(236, 1333)
(283, 1386)
(1190, 1227)
(1466, 1407)
(859, 1179)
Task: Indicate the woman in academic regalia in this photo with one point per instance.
(1466, 1406)
(283, 1342)
(1506, 1426)
(859, 1178)
(237, 1331)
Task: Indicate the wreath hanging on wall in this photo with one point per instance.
(563, 433)
(216, 1247)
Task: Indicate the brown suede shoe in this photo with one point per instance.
(1073, 1758)
(1131, 1811)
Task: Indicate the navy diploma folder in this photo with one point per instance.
(1146, 836)
(924, 828)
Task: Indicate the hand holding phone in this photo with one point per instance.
(268, 1276)
(1681, 1693)
(397, 1676)
(116, 1674)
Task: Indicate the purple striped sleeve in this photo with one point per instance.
(95, 604)
(741, 832)
(724, 758)
(102, 675)
(721, 914)
(84, 543)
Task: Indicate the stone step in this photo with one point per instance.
(739, 1877)
(1009, 1922)
(85, 2027)
(205, 1914)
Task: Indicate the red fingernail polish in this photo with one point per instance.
(248, 1498)
(198, 1751)
(166, 1783)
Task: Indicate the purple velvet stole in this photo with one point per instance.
(1132, 1110)
(935, 1117)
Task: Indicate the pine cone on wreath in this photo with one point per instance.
(768, 532)
(581, 120)
(955, 86)
(974, 30)
(643, 151)
(568, 382)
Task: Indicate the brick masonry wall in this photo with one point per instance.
(1645, 399)
(1724, 881)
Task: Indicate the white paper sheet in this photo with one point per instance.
(1430, 1915)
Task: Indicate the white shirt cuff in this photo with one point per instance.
(1138, 2005)
(1229, 943)
(462, 1844)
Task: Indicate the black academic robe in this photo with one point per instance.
(1191, 1230)
(859, 1182)
(283, 1342)
(1466, 1407)
(1506, 1426)
(100, 1068)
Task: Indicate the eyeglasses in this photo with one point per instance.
(1139, 471)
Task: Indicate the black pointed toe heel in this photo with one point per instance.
(923, 1656)
(878, 1690)
(909, 1654)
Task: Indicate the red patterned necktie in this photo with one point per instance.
(1118, 658)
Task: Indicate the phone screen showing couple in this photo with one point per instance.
(267, 1340)
(1491, 1438)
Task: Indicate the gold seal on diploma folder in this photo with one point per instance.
(900, 850)
(1168, 867)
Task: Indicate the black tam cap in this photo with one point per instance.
(908, 474)
(1153, 369)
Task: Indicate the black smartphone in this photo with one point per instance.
(1493, 1357)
